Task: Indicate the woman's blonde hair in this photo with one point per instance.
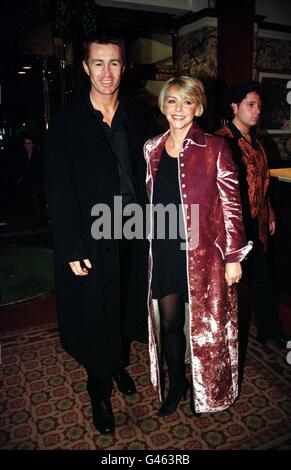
(189, 88)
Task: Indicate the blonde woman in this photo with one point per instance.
(188, 168)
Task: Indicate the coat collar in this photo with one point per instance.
(195, 136)
(89, 120)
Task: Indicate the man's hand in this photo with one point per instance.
(272, 227)
(77, 268)
(233, 273)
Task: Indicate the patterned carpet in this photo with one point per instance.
(44, 403)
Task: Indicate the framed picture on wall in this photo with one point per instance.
(276, 111)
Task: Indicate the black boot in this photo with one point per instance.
(174, 396)
(103, 418)
(100, 391)
(173, 343)
(124, 383)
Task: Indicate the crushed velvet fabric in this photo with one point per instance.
(207, 177)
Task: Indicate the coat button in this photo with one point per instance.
(183, 185)
(182, 164)
(183, 175)
(184, 195)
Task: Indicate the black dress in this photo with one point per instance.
(169, 261)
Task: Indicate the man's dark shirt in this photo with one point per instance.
(119, 138)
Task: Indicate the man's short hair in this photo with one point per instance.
(103, 40)
(236, 94)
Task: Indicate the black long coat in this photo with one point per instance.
(81, 171)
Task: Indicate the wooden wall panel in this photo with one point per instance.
(235, 40)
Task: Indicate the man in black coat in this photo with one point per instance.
(94, 153)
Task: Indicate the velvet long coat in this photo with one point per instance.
(81, 171)
(207, 177)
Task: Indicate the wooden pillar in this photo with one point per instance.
(235, 40)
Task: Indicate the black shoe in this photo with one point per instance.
(170, 404)
(103, 418)
(281, 340)
(124, 383)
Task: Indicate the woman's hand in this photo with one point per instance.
(272, 227)
(233, 273)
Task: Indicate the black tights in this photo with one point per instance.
(172, 317)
